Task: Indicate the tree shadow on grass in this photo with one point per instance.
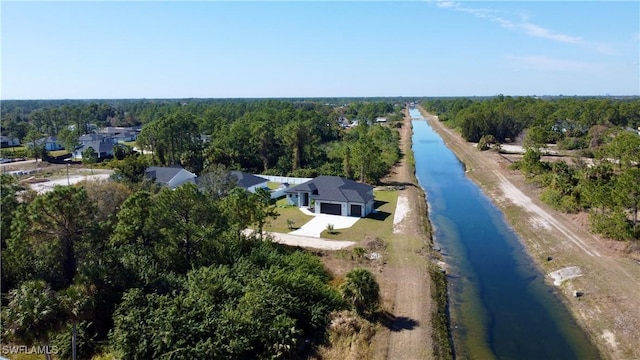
(378, 215)
(396, 323)
(378, 203)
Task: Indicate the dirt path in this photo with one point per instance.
(610, 309)
(404, 281)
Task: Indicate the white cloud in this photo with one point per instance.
(527, 27)
(537, 31)
(446, 4)
(545, 63)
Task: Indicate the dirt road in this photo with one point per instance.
(609, 310)
(404, 281)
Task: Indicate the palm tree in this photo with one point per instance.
(31, 314)
(361, 291)
(76, 301)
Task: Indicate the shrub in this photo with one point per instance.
(486, 141)
(361, 291)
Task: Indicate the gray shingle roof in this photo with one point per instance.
(99, 147)
(335, 188)
(163, 174)
(246, 180)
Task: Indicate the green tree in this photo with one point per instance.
(263, 209)
(57, 228)
(36, 147)
(627, 192)
(68, 139)
(361, 291)
(131, 169)
(90, 157)
(624, 149)
(32, 312)
(295, 135)
(186, 218)
(170, 136)
(77, 302)
(120, 151)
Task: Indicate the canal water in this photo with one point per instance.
(500, 306)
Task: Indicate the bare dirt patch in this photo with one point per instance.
(608, 311)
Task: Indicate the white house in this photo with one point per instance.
(6, 141)
(102, 148)
(333, 195)
(50, 143)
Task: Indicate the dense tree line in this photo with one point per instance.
(170, 273)
(296, 138)
(562, 119)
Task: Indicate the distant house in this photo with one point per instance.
(6, 141)
(248, 181)
(333, 195)
(89, 138)
(171, 176)
(50, 143)
(115, 130)
(343, 122)
(104, 149)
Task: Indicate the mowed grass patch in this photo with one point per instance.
(56, 153)
(379, 223)
(286, 212)
(273, 185)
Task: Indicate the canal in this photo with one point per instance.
(500, 306)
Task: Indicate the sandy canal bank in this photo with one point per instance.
(609, 281)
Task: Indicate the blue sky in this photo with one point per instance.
(80, 50)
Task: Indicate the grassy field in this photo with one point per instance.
(379, 223)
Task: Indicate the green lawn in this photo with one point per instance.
(379, 223)
(57, 153)
(130, 143)
(272, 185)
(287, 212)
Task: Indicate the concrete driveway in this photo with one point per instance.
(319, 224)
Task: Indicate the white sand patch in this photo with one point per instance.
(540, 216)
(610, 338)
(402, 209)
(539, 224)
(44, 187)
(564, 274)
(305, 241)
